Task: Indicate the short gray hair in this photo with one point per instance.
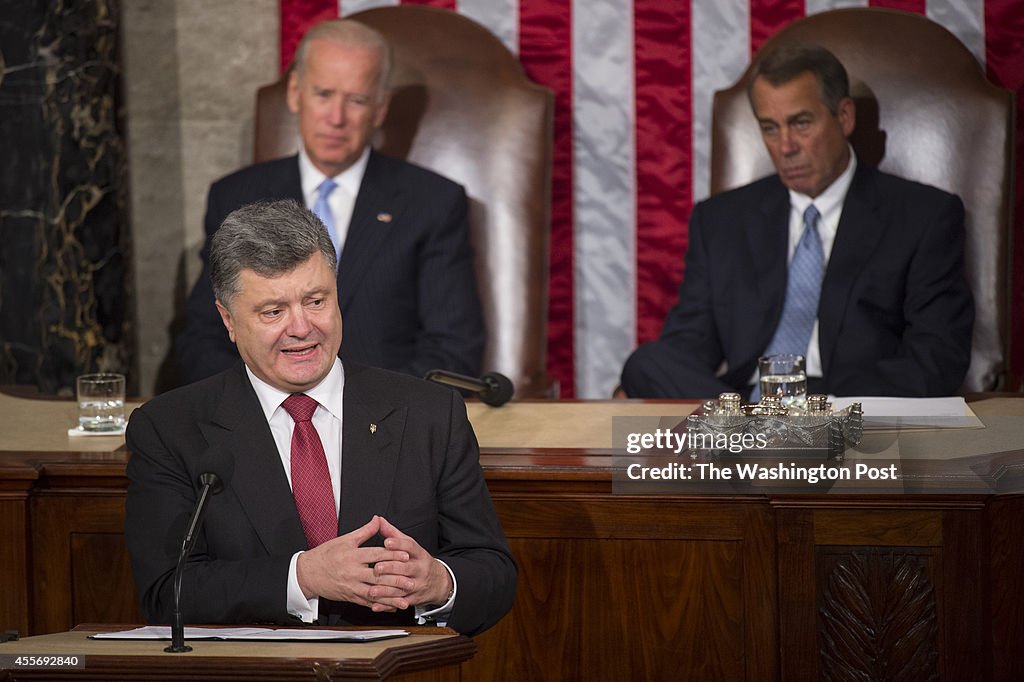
(270, 238)
(787, 62)
(348, 33)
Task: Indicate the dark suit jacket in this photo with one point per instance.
(895, 314)
(406, 287)
(420, 470)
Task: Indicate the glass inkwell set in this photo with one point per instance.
(813, 429)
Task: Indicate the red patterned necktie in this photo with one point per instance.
(311, 479)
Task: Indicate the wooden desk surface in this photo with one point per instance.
(40, 426)
(36, 425)
(33, 425)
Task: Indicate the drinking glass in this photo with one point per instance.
(101, 402)
(784, 376)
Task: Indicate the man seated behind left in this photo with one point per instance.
(372, 512)
(406, 281)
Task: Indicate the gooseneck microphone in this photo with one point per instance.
(212, 484)
(493, 388)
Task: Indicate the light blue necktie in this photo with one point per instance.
(803, 289)
(323, 211)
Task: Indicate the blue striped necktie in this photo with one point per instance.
(323, 211)
(803, 289)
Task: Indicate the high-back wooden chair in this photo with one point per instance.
(925, 111)
(461, 106)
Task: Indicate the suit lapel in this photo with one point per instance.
(258, 480)
(372, 431)
(367, 232)
(291, 181)
(767, 240)
(860, 229)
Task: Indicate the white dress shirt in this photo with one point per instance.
(343, 199)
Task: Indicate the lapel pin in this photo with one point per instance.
(384, 217)
(373, 428)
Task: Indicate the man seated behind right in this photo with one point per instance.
(860, 271)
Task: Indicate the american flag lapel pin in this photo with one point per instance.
(383, 217)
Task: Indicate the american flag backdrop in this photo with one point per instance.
(633, 83)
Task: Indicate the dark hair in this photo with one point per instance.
(348, 33)
(786, 62)
(268, 237)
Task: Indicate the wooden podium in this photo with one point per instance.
(427, 654)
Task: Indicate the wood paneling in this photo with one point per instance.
(664, 609)
(14, 565)
(964, 597)
(100, 572)
(612, 586)
(16, 483)
(877, 614)
(871, 527)
(1004, 576)
(796, 610)
(634, 587)
(80, 562)
(897, 592)
(615, 587)
(540, 638)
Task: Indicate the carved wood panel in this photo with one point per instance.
(877, 613)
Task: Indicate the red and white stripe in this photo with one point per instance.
(633, 83)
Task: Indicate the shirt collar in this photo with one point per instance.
(349, 179)
(328, 392)
(831, 200)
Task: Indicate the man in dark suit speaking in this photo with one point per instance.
(352, 495)
(860, 271)
(405, 269)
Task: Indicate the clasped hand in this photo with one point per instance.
(393, 577)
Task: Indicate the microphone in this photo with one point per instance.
(219, 468)
(493, 388)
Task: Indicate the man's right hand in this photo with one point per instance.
(342, 569)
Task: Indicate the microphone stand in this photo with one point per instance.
(211, 485)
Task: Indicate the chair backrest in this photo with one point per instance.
(461, 106)
(925, 111)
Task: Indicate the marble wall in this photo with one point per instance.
(115, 116)
(65, 249)
(191, 70)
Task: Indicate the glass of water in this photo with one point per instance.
(784, 376)
(101, 402)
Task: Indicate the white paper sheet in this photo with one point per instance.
(256, 634)
(923, 413)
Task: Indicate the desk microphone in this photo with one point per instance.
(212, 484)
(493, 388)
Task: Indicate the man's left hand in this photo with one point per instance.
(401, 584)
